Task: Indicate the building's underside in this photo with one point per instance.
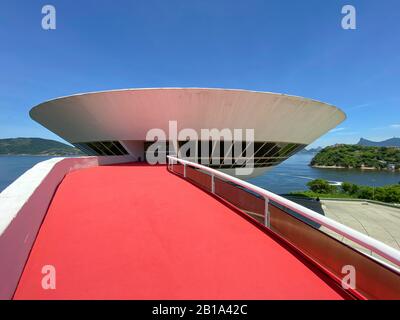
(118, 122)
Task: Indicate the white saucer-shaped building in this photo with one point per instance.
(117, 122)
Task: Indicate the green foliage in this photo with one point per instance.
(366, 193)
(355, 156)
(313, 195)
(346, 186)
(35, 146)
(349, 188)
(322, 188)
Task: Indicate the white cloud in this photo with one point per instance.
(337, 129)
(396, 126)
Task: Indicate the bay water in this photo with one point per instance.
(291, 175)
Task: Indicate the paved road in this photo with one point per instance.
(377, 221)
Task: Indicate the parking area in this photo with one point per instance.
(378, 221)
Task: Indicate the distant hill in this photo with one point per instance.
(312, 150)
(356, 156)
(393, 142)
(36, 146)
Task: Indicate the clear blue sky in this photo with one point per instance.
(288, 46)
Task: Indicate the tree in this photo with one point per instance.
(349, 188)
(389, 193)
(346, 187)
(366, 192)
(321, 186)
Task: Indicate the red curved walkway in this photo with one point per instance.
(140, 232)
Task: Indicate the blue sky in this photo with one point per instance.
(287, 46)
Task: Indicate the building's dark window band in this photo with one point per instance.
(288, 150)
(198, 159)
(270, 151)
(260, 165)
(261, 148)
(284, 152)
(96, 151)
(233, 163)
(105, 148)
(96, 147)
(266, 153)
(85, 149)
(102, 148)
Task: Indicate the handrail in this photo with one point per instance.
(372, 244)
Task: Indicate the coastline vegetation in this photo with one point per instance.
(356, 156)
(36, 147)
(320, 188)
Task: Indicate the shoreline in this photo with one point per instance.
(328, 167)
(39, 155)
(352, 168)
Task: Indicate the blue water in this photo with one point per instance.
(294, 173)
(11, 167)
(291, 175)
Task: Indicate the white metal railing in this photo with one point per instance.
(372, 244)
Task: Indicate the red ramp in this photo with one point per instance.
(140, 232)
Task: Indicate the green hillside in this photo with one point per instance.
(356, 156)
(36, 146)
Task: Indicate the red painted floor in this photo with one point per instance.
(140, 232)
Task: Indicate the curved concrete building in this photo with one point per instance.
(117, 122)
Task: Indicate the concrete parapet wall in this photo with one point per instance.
(23, 206)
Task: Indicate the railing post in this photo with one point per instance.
(212, 183)
(266, 213)
(184, 170)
